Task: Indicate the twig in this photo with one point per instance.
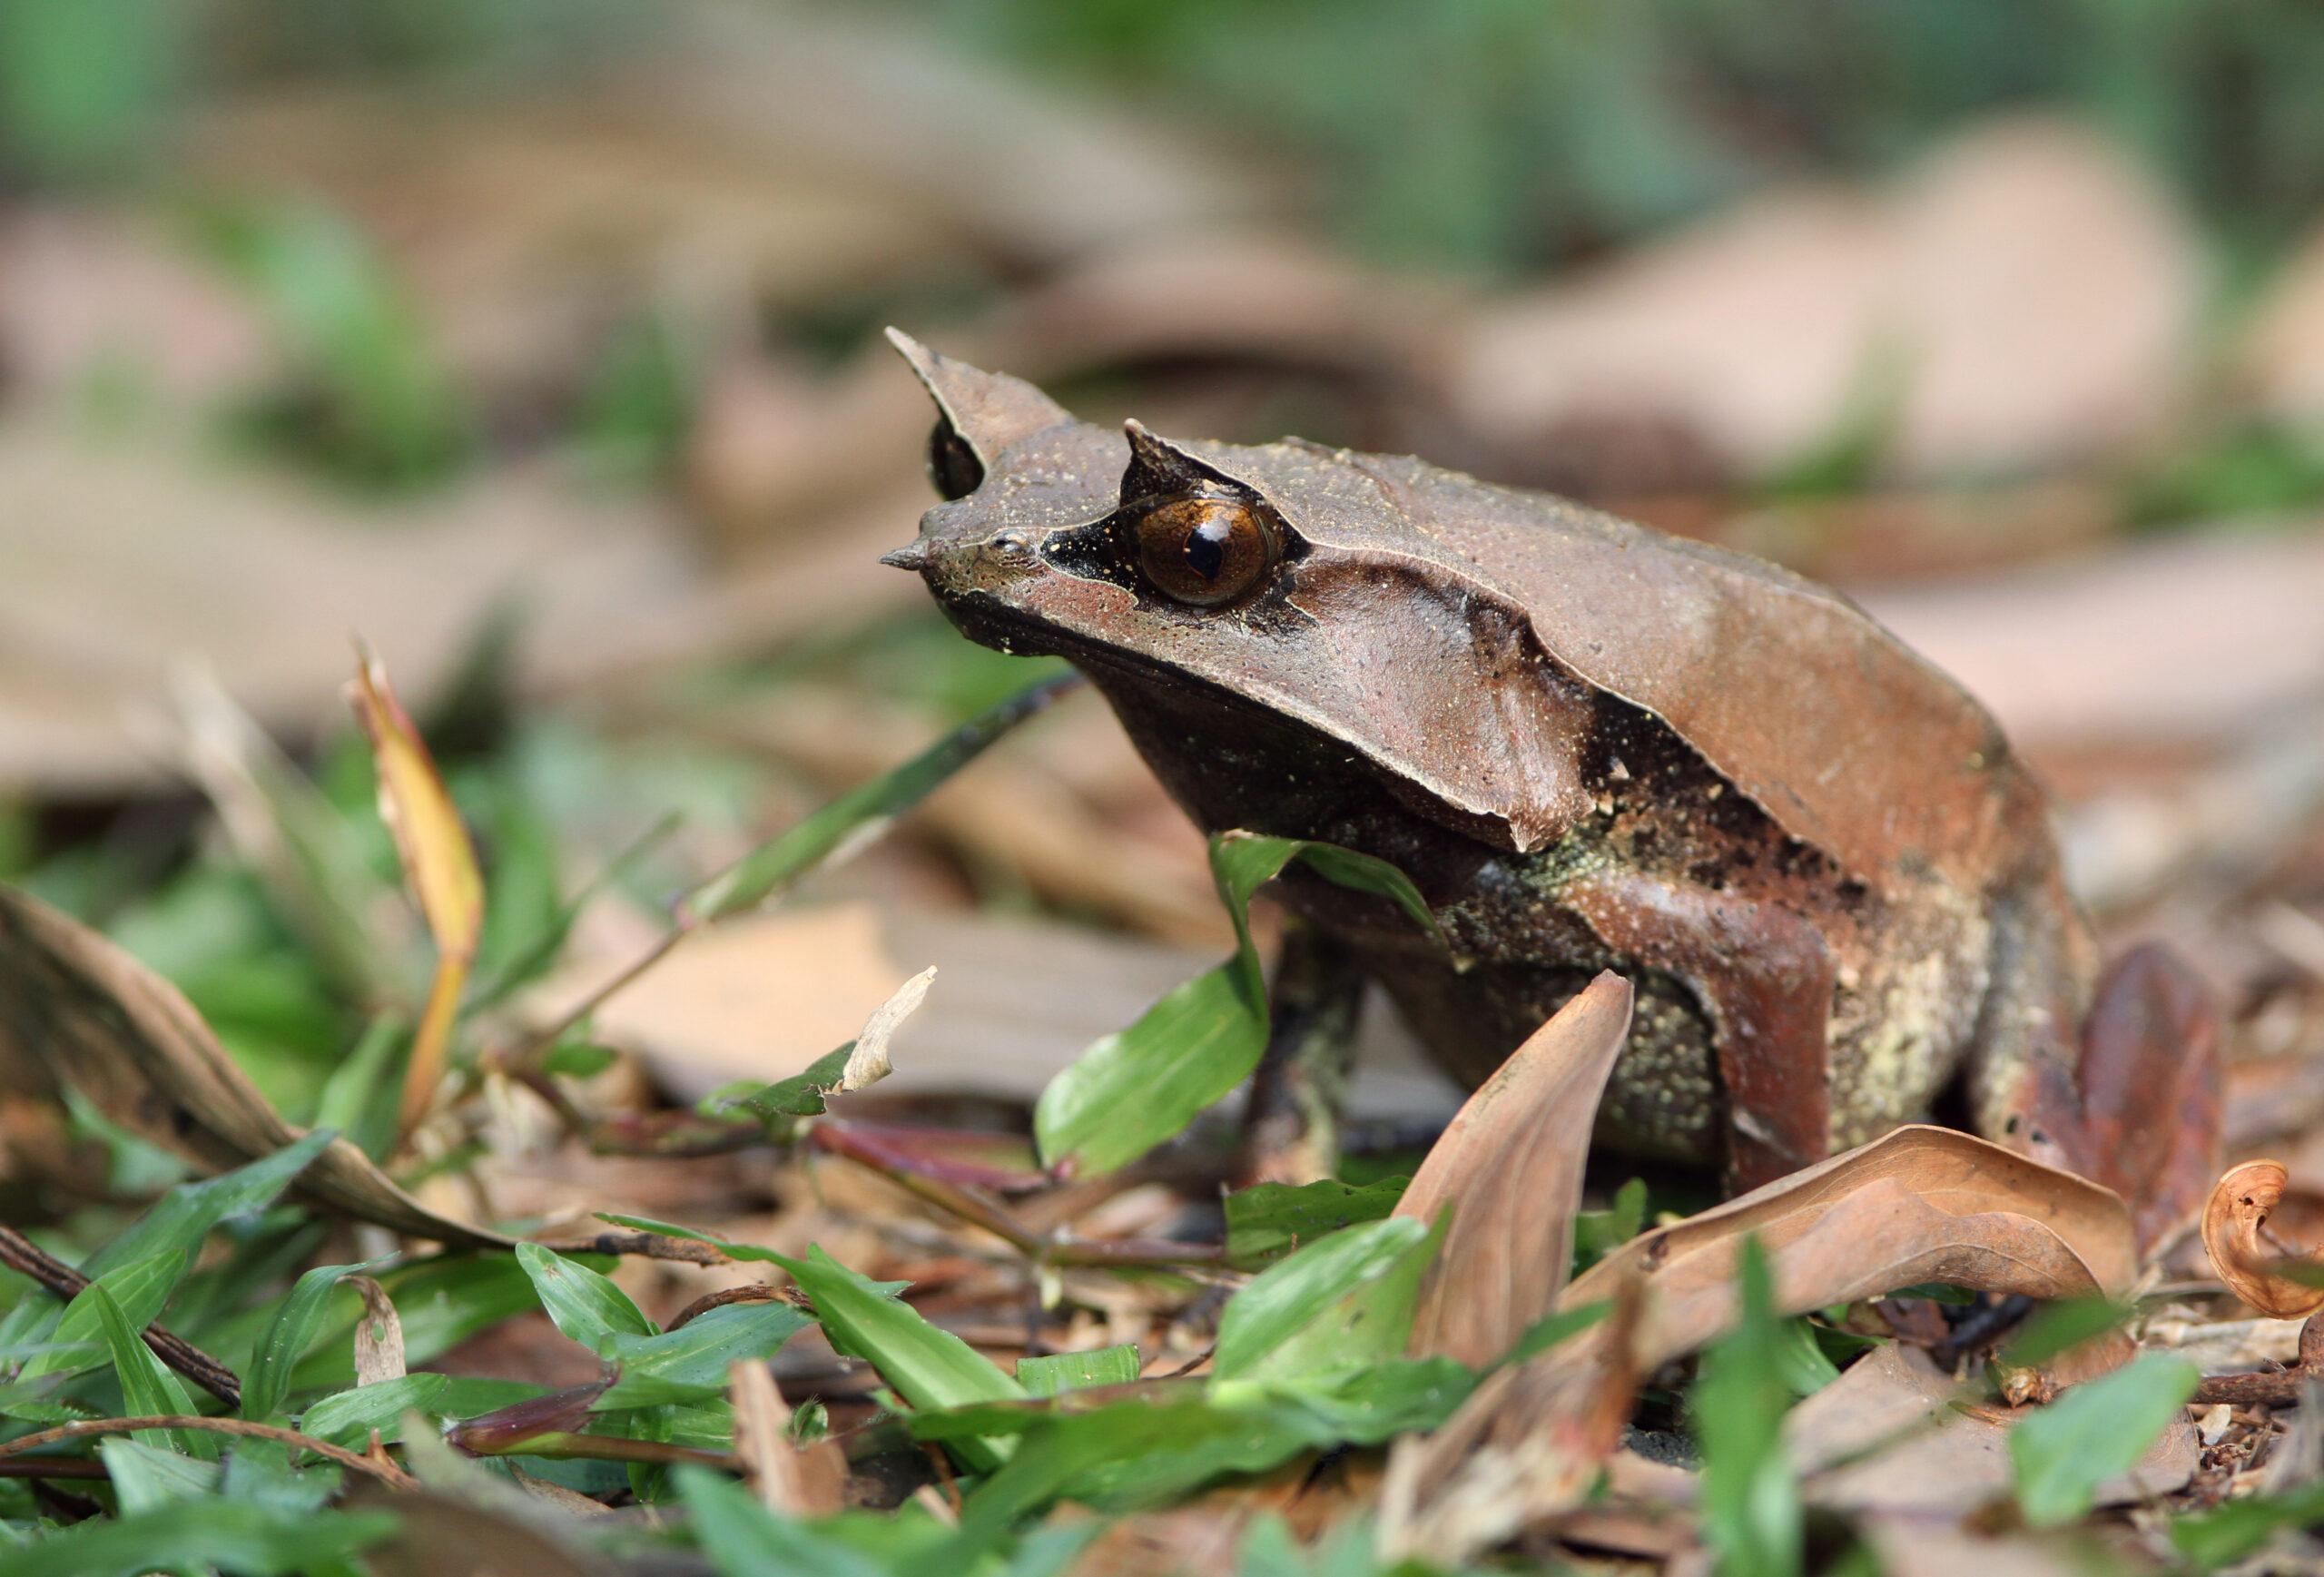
(751, 1292)
(2278, 1388)
(527, 1051)
(609, 1448)
(63, 1467)
(1115, 1254)
(646, 1245)
(22, 1255)
(387, 1474)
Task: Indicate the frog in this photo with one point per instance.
(1590, 745)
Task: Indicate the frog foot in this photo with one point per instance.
(2147, 1120)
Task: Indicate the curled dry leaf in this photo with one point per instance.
(2246, 1253)
(378, 1335)
(1511, 1166)
(1920, 1203)
(792, 1480)
(438, 861)
(867, 1064)
(105, 1024)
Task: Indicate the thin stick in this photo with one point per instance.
(22, 1255)
(63, 1467)
(386, 1473)
(1102, 1253)
(751, 1292)
(611, 1448)
(529, 1050)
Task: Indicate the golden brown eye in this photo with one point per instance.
(1205, 551)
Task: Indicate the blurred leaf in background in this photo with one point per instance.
(84, 82)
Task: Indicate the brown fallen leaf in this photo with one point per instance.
(1884, 1438)
(105, 1024)
(1920, 1203)
(1511, 1166)
(2246, 1256)
(2153, 1086)
(791, 1480)
(438, 864)
(378, 1335)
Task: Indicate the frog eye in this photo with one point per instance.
(1205, 551)
(953, 464)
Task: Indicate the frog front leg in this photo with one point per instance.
(1764, 976)
(1291, 1123)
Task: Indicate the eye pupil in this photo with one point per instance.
(1207, 548)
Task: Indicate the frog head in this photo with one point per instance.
(1289, 582)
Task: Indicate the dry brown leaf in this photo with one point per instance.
(438, 864)
(791, 1480)
(1886, 1438)
(2246, 1253)
(1920, 1203)
(102, 1022)
(868, 1064)
(1511, 1166)
(444, 1536)
(378, 1335)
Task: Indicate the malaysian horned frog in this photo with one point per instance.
(1591, 746)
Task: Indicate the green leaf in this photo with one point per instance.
(288, 1336)
(802, 1094)
(2057, 1326)
(347, 1417)
(239, 1536)
(1598, 1233)
(144, 1478)
(1345, 1300)
(360, 1096)
(861, 813)
(689, 1364)
(2237, 1529)
(1364, 873)
(743, 1538)
(1129, 1452)
(1056, 1373)
(1362, 1407)
(138, 1291)
(578, 1059)
(260, 1471)
(1750, 1497)
(2096, 1431)
(147, 1387)
(927, 1367)
(585, 1306)
(1804, 1366)
(1267, 1221)
(1140, 1086)
(442, 1301)
(185, 1216)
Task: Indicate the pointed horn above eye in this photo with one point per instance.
(1159, 469)
(989, 410)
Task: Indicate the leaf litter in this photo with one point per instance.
(1438, 1321)
(1141, 1369)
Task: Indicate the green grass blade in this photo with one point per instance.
(2096, 1431)
(861, 813)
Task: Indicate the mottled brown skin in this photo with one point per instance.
(1591, 746)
